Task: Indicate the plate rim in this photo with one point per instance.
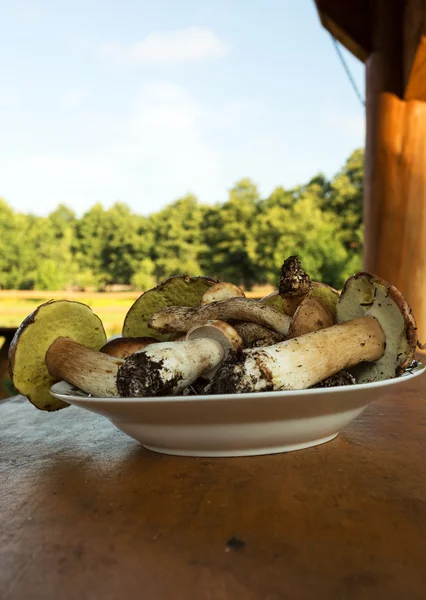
(413, 372)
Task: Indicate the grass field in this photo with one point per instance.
(110, 307)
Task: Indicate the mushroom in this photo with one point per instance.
(159, 369)
(295, 285)
(167, 368)
(376, 331)
(61, 341)
(182, 318)
(92, 372)
(254, 335)
(222, 291)
(122, 347)
(365, 295)
(311, 315)
(220, 331)
(51, 320)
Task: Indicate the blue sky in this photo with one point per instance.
(143, 102)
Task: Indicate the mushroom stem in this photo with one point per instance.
(301, 362)
(158, 369)
(254, 335)
(92, 372)
(182, 318)
(220, 331)
(294, 283)
(167, 368)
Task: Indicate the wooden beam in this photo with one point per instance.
(349, 22)
(395, 166)
(415, 50)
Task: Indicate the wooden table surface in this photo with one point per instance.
(87, 513)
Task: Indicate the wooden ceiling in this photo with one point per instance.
(349, 21)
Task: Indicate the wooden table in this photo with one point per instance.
(87, 513)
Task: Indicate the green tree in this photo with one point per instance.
(177, 238)
(230, 248)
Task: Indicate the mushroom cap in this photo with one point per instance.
(327, 294)
(366, 294)
(217, 330)
(222, 291)
(311, 315)
(180, 290)
(27, 352)
(221, 332)
(123, 347)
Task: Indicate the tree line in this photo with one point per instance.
(244, 239)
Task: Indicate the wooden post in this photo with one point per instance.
(395, 160)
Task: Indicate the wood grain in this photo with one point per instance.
(86, 513)
(414, 51)
(395, 164)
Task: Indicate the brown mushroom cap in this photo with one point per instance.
(123, 347)
(311, 315)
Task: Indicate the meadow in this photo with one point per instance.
(111, 307)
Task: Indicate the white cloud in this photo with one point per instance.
(182, 45)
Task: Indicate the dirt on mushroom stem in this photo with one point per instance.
(144, 373)
(301, 362)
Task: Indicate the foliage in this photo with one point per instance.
(244, 239)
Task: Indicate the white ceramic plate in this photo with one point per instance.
(236, 424)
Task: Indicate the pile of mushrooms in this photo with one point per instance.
(304, 335)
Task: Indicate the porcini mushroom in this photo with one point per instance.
(181, 318)
(376, 326)
(60, 341)
(167, 368)
(222, 291)
(51, 320)
(295, 285)
(365, 294)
